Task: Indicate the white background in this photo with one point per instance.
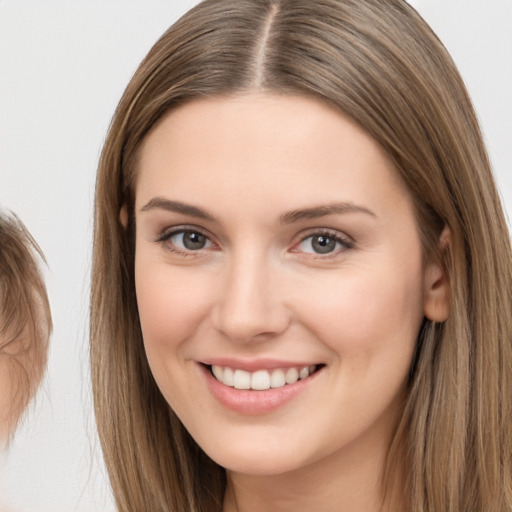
(63, 67)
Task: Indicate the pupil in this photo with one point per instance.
(194, 241)
(323, 244)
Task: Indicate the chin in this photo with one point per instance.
(256, 458)
(258, 465)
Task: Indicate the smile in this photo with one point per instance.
(261, 380)
(258, 387)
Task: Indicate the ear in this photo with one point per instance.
(437, 283)
(123, 216)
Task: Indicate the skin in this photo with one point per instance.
(21, 369)
(14, 357)
(20, 375)
(5, 397)
(258, 290)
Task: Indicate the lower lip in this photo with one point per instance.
(252, 402)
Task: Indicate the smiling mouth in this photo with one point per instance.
(262, 380)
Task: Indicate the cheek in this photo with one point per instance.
(168, 312)
(171, 305)
(162, 309)
(367, 311)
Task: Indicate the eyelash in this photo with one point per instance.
(345, 242)
(166, 236)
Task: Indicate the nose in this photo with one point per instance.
(250, 305)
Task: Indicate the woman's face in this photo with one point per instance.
(277, 249)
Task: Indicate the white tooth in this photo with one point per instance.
(260, 380)
(292, 375)
(218, 372)
(277, 379)
(228, 377)
(242, 379)
(312, 369)
(304, 372)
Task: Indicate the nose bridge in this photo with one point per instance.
(250, 306)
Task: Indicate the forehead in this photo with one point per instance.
(284, 148)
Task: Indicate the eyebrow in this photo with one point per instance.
(322, 211)
(177, 207)
(286, 218)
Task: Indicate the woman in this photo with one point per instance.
(302, 275)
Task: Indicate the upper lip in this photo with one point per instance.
(252, 365)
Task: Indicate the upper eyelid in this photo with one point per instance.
(335, 233)
(169, 231)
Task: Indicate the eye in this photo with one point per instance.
(186, 240)
(324, 243)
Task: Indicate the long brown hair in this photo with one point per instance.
(378, 63)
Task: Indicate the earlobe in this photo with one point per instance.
(437, 283)
(123, 216)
